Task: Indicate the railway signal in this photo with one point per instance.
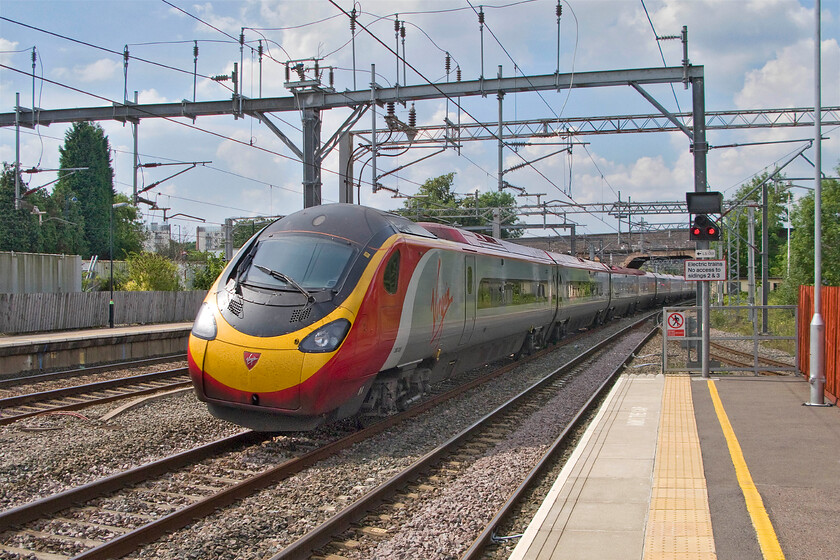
(704, 229)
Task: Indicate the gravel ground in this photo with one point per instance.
(53, 384)
(263, 524)
(46, 454)
(51, 453)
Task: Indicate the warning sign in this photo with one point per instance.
(705, 270)
(675, 323)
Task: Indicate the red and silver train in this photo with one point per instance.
(340, 309)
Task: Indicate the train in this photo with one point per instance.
(340, 309)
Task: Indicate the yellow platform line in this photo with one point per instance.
(679, 524)
(767, 539)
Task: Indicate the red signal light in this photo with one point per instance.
(704, 229)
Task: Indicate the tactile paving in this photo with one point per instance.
(679, 524)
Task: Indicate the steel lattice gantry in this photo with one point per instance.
(617, 124)
(311, 103)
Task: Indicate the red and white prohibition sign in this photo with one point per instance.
(675, 323)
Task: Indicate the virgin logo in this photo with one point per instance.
(440, 305)
(251, 359)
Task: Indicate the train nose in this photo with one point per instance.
(251, 375)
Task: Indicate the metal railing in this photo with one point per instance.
(760, 339)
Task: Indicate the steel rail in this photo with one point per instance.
(89, 387)
(767, 361)
(154, 530)
(476, 550)
(73, 496)
(92, 370)
(56, 395)
(322, 535)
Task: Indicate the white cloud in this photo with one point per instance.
(98, 71)
(787, 80)
(5, 47)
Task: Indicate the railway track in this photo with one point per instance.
(16, 380)
(370, 518)
(746, 360)
(76, 397)
(167, 494)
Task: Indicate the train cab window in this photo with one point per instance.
(391, 277)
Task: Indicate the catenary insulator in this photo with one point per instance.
(559, 10)
(316, 70)
(481, 16)
(288, 76)
(353, 20)
(332, 76)
(260, 49)
(396, 25)
(391, 108)
(402, 30)
(448, 63)
(458, 74)
(195, 50)
(242, 38)
(412, 117)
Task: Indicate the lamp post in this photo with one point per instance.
(111, 254)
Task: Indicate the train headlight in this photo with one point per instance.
(205, 323)
(327, 338)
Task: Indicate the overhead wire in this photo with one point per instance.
(486, 25)
(661, 53)
(110, 51)
(420, 74)
(172, 120)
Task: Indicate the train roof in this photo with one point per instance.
(348, 221)
(484, 242)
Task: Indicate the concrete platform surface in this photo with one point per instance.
(680, 467)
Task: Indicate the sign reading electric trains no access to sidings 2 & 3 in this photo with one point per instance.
(705, 270)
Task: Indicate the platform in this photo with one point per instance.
(680, 467)
(39, 352)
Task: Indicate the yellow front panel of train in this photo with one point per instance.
(253, 369)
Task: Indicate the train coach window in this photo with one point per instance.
(499, 292)
(469, 280)
(391, 277)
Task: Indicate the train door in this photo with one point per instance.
(470, 297)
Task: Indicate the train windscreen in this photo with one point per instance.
(314, 263)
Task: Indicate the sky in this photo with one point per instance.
(756, 54)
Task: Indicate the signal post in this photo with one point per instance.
(703, 230)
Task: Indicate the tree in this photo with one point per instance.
(437, 201)
(129, 233)
(205, 275)
(69, 227)
(151, 272)
(750, 193)
(18, 228)
(243, 230)
(802, 240)
(85, 145)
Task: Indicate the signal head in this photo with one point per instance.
(704, 229)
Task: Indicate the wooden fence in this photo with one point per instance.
(27, 313)
(830, 311)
